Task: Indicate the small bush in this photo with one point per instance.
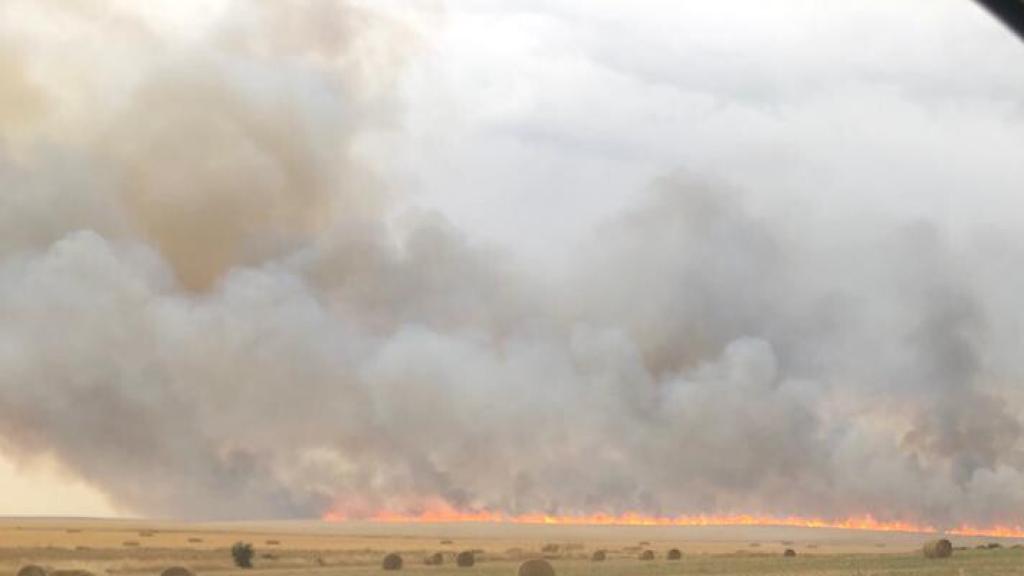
(647, 555)
(674, 554)
(789, 553)
(598, 556)
(242, 553)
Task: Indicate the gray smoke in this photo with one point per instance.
(208, 309)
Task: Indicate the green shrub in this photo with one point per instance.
(242, 552)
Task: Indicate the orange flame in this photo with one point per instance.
(439, 513)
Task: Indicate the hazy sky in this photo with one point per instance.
(268, 259)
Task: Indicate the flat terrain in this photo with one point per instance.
(130, 548)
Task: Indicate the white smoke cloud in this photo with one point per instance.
(212, 306)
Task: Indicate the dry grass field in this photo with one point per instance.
(126, 547)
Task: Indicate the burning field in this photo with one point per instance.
(474, 285)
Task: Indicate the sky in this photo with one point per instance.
(267, 260)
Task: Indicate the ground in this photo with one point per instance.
(130, 548)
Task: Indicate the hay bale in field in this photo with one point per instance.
(599, 556)
(177, 571)
(938, 549)
(993, 545)
(195, 540)
(789, 553)
(435, 559)
(31, 570)
(446, 542)
(465, 559)
(647, 555)
(550, 548)
(535, 567)
(391, 561)
(674, 554)
(273, 542)
(130, 543)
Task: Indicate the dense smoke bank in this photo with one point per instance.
(207, 310)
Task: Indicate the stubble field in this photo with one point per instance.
(137, 548)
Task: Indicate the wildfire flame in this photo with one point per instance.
(440, 513)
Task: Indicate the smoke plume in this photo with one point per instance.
(209, 309)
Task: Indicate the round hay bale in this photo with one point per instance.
(177, 571)
(599, 556)
(647, 555)
(391, 561)
(789, 553)
(674, 554)
(31, 570)
(435, 559)
(465, 559)
(535, 567)
(938, 549)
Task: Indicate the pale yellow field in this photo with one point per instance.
(132, 547)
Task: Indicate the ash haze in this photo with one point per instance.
(270, 260)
